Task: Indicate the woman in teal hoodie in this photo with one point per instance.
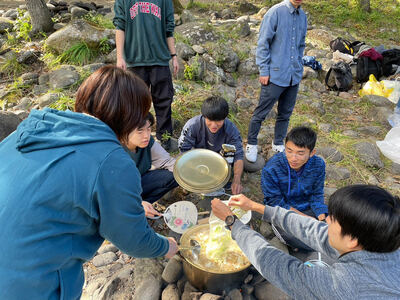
(66, 184)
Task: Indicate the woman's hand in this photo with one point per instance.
(149, 209)
(220, 209)
(173, 248)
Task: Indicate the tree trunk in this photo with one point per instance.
(40, 16)
(178, 8)
(365, 5)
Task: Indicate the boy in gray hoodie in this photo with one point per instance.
(362, 233)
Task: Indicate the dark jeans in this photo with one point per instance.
(293, 242)
(159, 79)
(156, 184)
(286, 97)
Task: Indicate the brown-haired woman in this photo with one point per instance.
(66, 184)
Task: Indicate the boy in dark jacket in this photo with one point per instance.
(294, 179)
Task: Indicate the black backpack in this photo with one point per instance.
(342, 76)
(342, 45)
(366, 66)
(390, 57)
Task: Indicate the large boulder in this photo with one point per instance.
(369, 154)
(8, 123)
(5, 25)
(75, 32)
(63, 77)
(248, 67)
(197, 33)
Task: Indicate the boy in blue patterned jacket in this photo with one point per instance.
(294, 180)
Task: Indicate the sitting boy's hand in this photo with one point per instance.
(149, 209)
(242, 201)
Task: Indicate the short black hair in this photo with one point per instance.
(215, 108)
(368, 213)
(149, 117)
(303, 137)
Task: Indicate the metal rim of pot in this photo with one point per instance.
(209, 165)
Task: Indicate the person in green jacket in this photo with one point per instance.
(145, 44)
(66, 184)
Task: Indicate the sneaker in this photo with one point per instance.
(251, 153)
(278, 148)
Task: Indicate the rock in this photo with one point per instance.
(173, 270)
(107, 248)
(199, 49)
(227, 92)
(196, 33)
(346, 95)
(267, 291)
(378, 101)
(235, 295)
(249, 297)
(316, 85)
(208, 296)
(44, 78)
(170, 293)
(227, 13)
(369, 154)
(247, 289)
(48, 99)
(87, 6)
(328, 191)
(116, 285)
(104, 11)
(266, 230)
(256, 166)
(23, 104)
(325, 127)
(380, 114)
(104, 259)
(92, 67)
(330, 153)
(248, 278)
(337, 173)
(75, 32)
(395, 169)
(39, 89)
(30, 78)
(214, 74)
(11, 13)
(146, 268)
(309, 73)
(247, 7)
(243, 28)
(5, 25)
(318, 53)
(244, 102)
(63, 77)
(318, 106)
(149, 289)
(229, 60)
(187, 17)
(372, 180)
(248, 67)
(197, 66)
(78, 12)
(184, 51)
(8, 123)
(351, 133)
(111, 58)
(370, 130)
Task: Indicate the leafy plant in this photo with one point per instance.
(64, 103)
(23, 26)
(11, 66)
(104, 46)
(78, 54)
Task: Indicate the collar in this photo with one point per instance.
(292, 9)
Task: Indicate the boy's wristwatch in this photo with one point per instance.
(229, 220)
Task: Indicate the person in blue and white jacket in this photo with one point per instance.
(294, 179)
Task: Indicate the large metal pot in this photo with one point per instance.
(204, 279)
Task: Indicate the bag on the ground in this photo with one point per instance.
(340, 74)
(356, 45)
(375, 87)
(390, 57)
(342, 45)
(366, 66)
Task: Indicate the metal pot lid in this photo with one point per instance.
(201, 171)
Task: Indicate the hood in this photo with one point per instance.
(50, 128)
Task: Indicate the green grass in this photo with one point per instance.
(345, 14)
(64, 103)
(78, 54)
(11, 67)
